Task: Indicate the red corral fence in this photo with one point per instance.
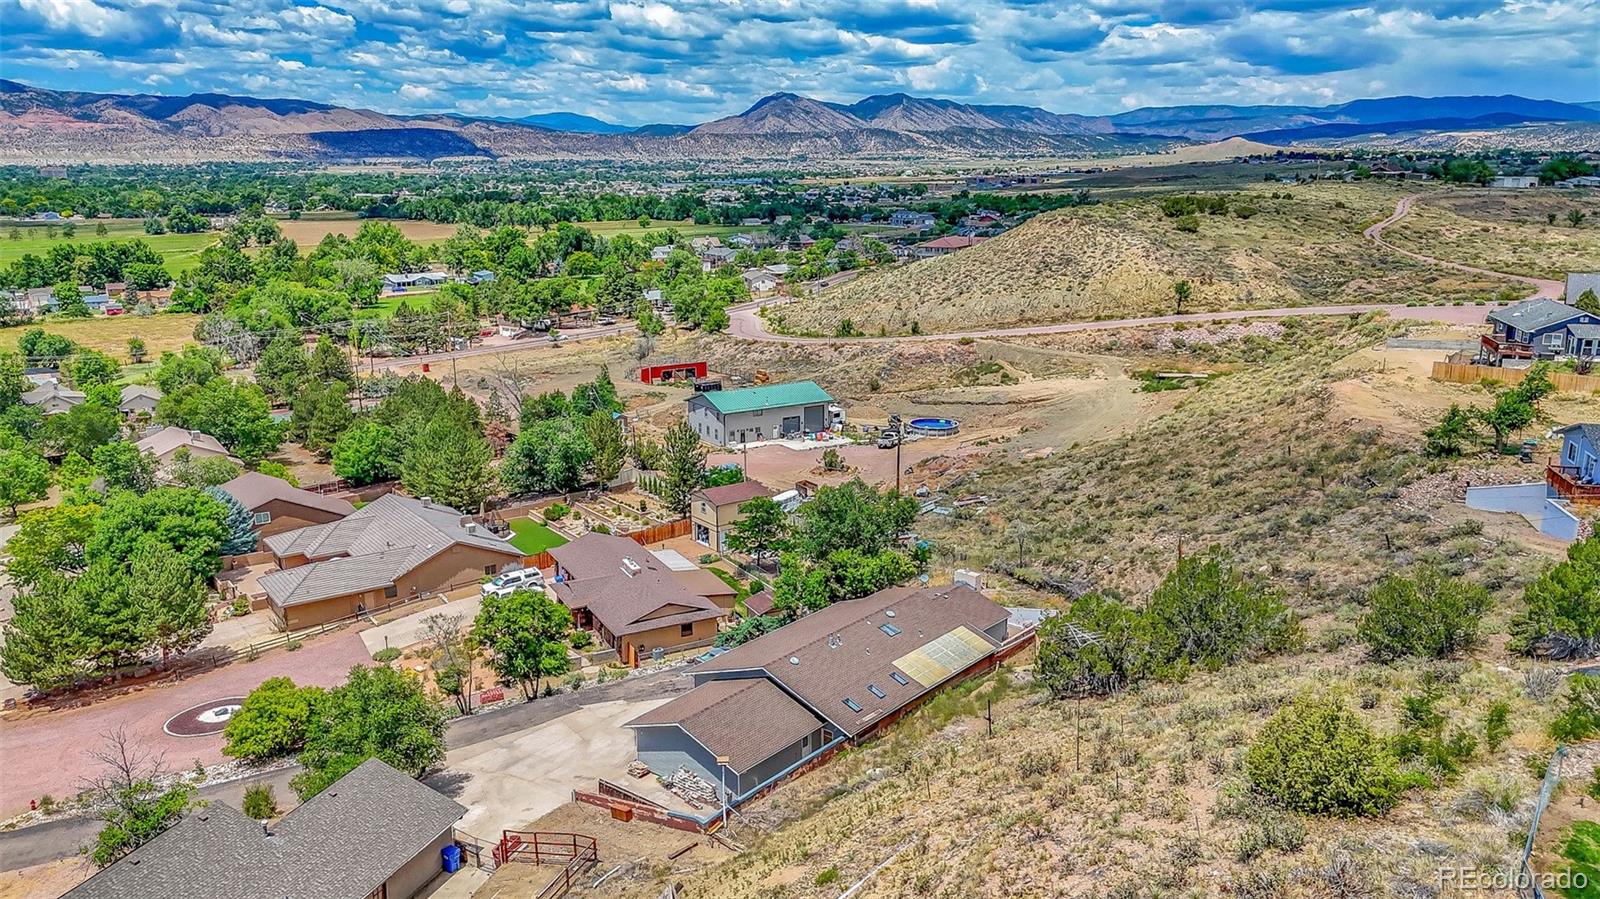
(576, 853)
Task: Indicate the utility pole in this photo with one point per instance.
(900, 438)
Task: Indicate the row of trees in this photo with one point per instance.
(1512, 410)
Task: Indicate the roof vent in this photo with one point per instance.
(630, 567)
(427, 501)
(472, 527)
(835, 641)
(889, 613)
(794, 660)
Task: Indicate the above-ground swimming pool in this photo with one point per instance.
(933, 427)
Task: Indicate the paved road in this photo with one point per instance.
(63, 837)
(1545, 288)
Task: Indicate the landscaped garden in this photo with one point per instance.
(532, 538)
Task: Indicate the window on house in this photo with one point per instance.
(488, 569)
(1552, 340)
(852, 705)
(686, 630)
(391, 591)
(873, 689)
(900, 678)
(261, 518)
(1572, 452)
(889, 629)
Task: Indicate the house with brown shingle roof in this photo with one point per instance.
(166, 443)
(633, 601)
(713, 511)
(848, 668)
(277, 506)
(392, 549)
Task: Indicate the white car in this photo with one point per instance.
(512, 581)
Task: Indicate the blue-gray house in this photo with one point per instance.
(1569, 493)
(1538, 329)
(761, 709)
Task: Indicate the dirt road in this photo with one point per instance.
(1543, 287)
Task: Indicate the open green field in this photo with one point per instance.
(532, 538)
(1583, 850)
(164, 331)
(181, 251)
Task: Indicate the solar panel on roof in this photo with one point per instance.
(940, 658)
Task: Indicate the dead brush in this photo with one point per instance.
(1539, 684)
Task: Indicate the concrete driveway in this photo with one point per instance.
(403, 632)
(511, 780)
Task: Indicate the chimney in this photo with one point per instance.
(472, 527)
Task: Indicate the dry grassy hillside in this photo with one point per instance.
(1120, 259)
(1141, 795)
(1507, 231)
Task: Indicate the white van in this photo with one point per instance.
(512, 581)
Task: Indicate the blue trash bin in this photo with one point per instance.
(452, 858)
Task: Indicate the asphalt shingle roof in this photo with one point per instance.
(50, 389)
(1535, 314)
(254, 489)
(746, 720)
(835, 653)
(742, 492)
(1590, 430)
(341, 844)
(1578, 282)
(168, 439)
(626, 601)
(772, 396)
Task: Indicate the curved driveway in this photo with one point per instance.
(1545, 288)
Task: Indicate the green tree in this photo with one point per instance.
(543, 407)
(1429, 615)
(853, 515)
(181, 521)
(684, 465)
(137, 350)
(133, 807)
(1447, 438)
(328, 363)
(236, 413)
(378, 713)
(1580, 718)
(605, 436)
(240, 522)
(189, 470)
(599, 395)
(450, 463)
(525, 633)
(1181, 292)
(1317, 757)
(1207, 612)
(277, 470)
(1562, 615)
(170, 599)
(1095, 647)
(195, 365)
(282, 368)
(1588, 302)
(90, 368)
(1516, 408)
(762, 531)
(551, 456)
(366, 453)
(322, 415)
(260, 803)
(24, 477)
(13, 380)
(82, 429)
(272, 722)
(122, 466)
(48, 636)
(49, 541)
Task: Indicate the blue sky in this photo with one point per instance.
(636, 61)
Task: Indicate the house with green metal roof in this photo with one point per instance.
(769, 412)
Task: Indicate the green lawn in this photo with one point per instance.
(1583, 849)
(533, 538)
(181, 251)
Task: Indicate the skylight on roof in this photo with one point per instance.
(873, 689)
(851, 704)
(889, 629)
(900, 678)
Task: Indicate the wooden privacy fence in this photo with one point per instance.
(659, 532)
(1564, 381)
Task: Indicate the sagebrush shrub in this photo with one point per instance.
(1318, 757)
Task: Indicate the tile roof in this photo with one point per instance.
(742, 492)
(254, 489)
(342, 844)
(626, 601)
(772, 396)
(746, 720)
(834, 654)
(369, 548)
(1535, 314)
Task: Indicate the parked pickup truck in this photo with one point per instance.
(888, 439)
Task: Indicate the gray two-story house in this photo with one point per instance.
(732, 417)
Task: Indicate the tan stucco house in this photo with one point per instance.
(167, 442)
(714, 510)
(392, 549)
(277, 506)
(635, 601)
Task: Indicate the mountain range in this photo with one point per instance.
(49, 126)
